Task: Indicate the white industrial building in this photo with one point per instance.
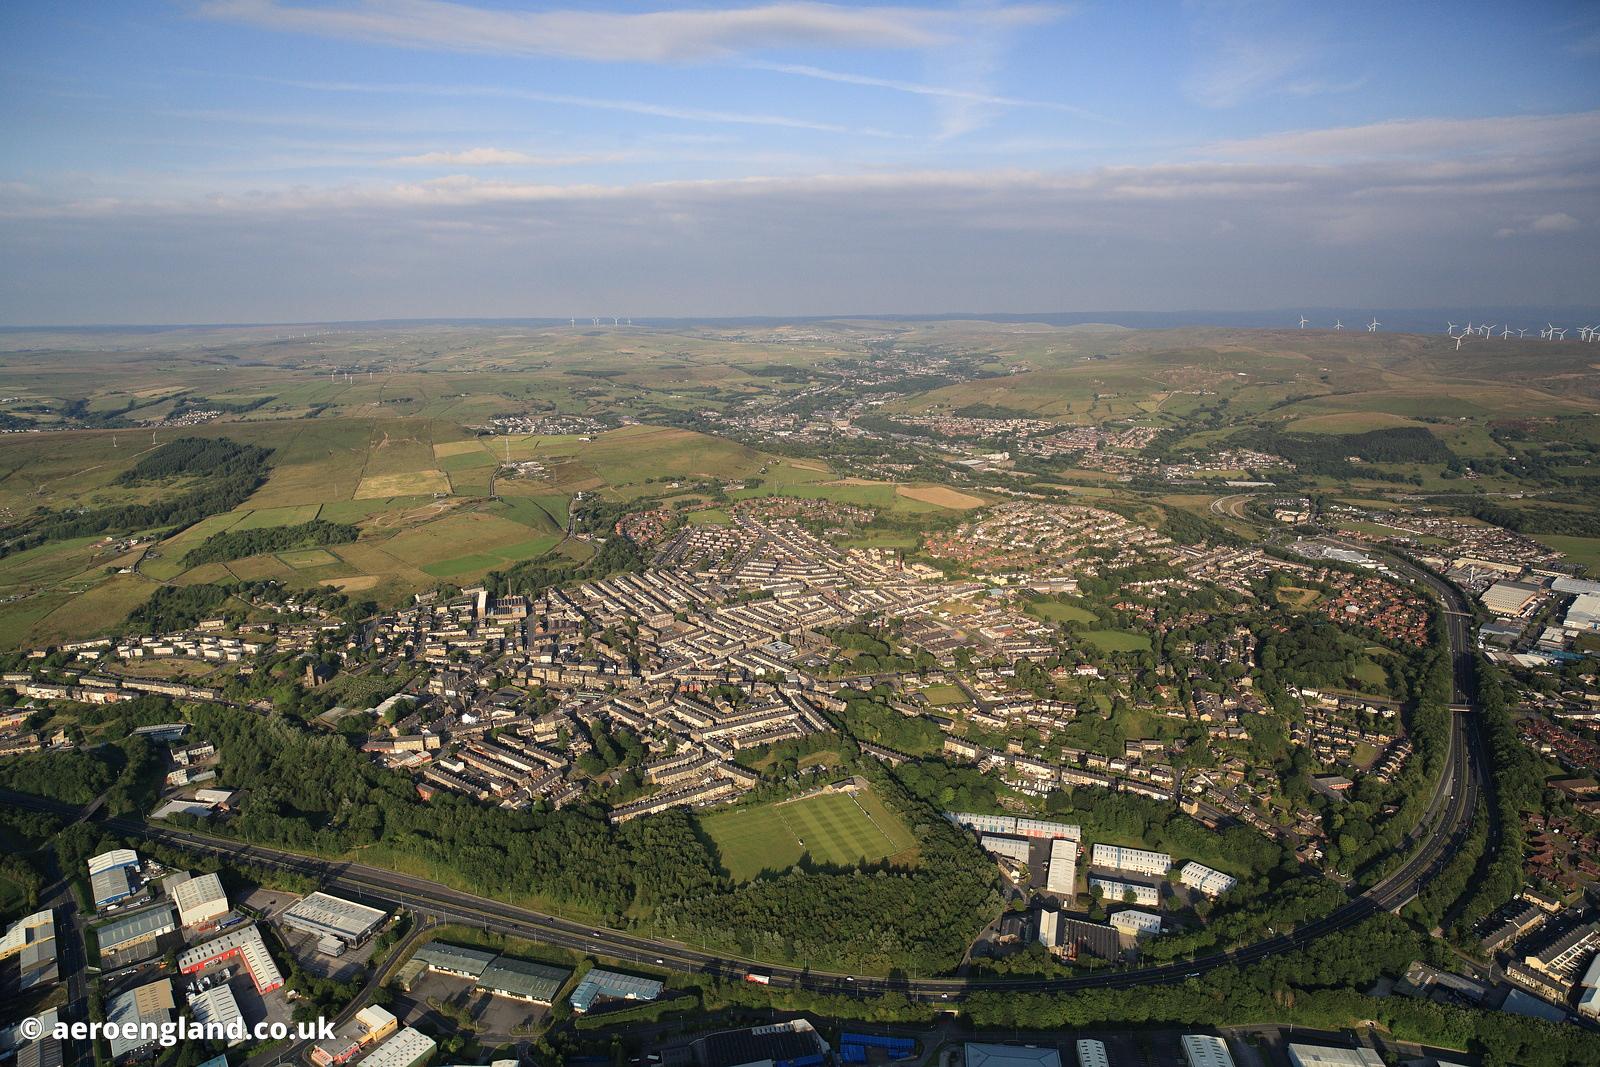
(322, 915)
(1091, 1053)
(1325, 1056)
(1137, 860)
(1210, 882)
(1204, 1050)
(1584, 613)
(405, 1049)
(1136, 923)
(1589, 999)
(1118, 892)
(1012, 848)
(1509, 599)
(200, 900)
(1062, 875)
(218, 1007)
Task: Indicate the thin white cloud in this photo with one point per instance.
(920, 89)
(1425, 138)
(672, 36)
(496, 157)
(632, 107)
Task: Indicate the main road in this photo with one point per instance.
(1444, 823)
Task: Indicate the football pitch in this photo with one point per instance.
(834, 829)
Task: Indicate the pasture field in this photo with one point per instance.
(1058, 609)
(943, 695)
(1117, 640)
(833, 829)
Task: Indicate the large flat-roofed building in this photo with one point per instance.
(1509, 598)
(983, 1054)
(1327, 1056)
(1118, 892)
(599, 986)
(1061, 877)
(1091, 1053)
(523, 980)
(1589, 995)
(217, 1007)
(1139, 860)
(1563, 956)
(243, 943)
(200, 900)
(322, 915)
(407, 1048)
(32, 940)
(1204, 1050)
(789, 1044)
(1017, 849)
(109, 886)
(117, 857)
(1136, 923)
(136, 928)
(150, 1004)
(1212, 883)
(459, 960)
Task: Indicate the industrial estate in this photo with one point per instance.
(835, 692)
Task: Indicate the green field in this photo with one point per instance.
(1058, 610)
(1117, 641)
(942, 695)
(832, 829)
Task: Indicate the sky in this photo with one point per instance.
(178, 161)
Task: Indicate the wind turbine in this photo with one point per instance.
(1505, 333)
(1338, 324)
(1562, 331)
(573, 323)
(1463, 337)
(1372, 327)
(1520, 333)
(1450, 329)
(1484, 329)
(1303, 321)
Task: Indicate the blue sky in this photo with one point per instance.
(288, 160)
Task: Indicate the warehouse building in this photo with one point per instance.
(112, 875)
(1325, 1056)
(1137, 860)
(601, 986)
(517, 979)
(407, 1048)
(218, 1007)
(1589, 998)
(1061, 877)
(1136, 923)
(459, 960)
(371, 1025)
(1562, 957)
(200, 900)
(243, 943)
(1210, 882)
(136, 929)
(1092, 1053)
(1508, 599)
(980, 1054)
(32, 940)
(148, 1005)
(790, 1044)
(1118, 892)
(322, 915)
(1016, 849)
(1204, 1050)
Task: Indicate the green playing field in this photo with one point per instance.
(835, 829)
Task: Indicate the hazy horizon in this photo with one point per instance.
(356, 160)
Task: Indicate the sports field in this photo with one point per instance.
(834, 829)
